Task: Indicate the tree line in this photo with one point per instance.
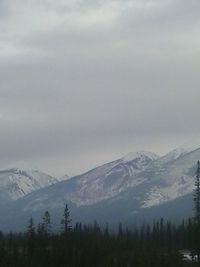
(82, 245)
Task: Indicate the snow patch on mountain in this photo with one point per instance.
(159, 195)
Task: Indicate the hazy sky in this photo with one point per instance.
(83, 82)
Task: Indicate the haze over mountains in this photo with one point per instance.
(139, 186)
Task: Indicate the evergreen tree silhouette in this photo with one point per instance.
(66, 221)
(46, 224)
(197, 194)
(197, 212)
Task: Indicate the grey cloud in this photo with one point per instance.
(90, 80)
(4, 9)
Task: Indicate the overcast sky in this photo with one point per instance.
(83, 82)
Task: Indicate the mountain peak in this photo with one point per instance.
(181, 151)
(16, 183)
(134, 155)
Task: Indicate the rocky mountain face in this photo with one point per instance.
(16, 183)
(139, 186)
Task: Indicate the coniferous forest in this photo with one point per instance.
(154, 245)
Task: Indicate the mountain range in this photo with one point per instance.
(138, 187)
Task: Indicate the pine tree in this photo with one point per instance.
(197, 211)
(46, 224)
(197, 194)
(66, 221)
(31, 228)
(31, 236)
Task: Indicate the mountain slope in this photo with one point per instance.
(108, 180)
(175, 177)
(16, 183)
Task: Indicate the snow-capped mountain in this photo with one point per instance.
(158, 180)
(137, 185)
(109, 180)
(16, 183)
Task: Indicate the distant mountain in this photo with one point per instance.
(140, 186)
(109, 179)
(16, 183)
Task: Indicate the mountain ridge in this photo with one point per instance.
(119, 190)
